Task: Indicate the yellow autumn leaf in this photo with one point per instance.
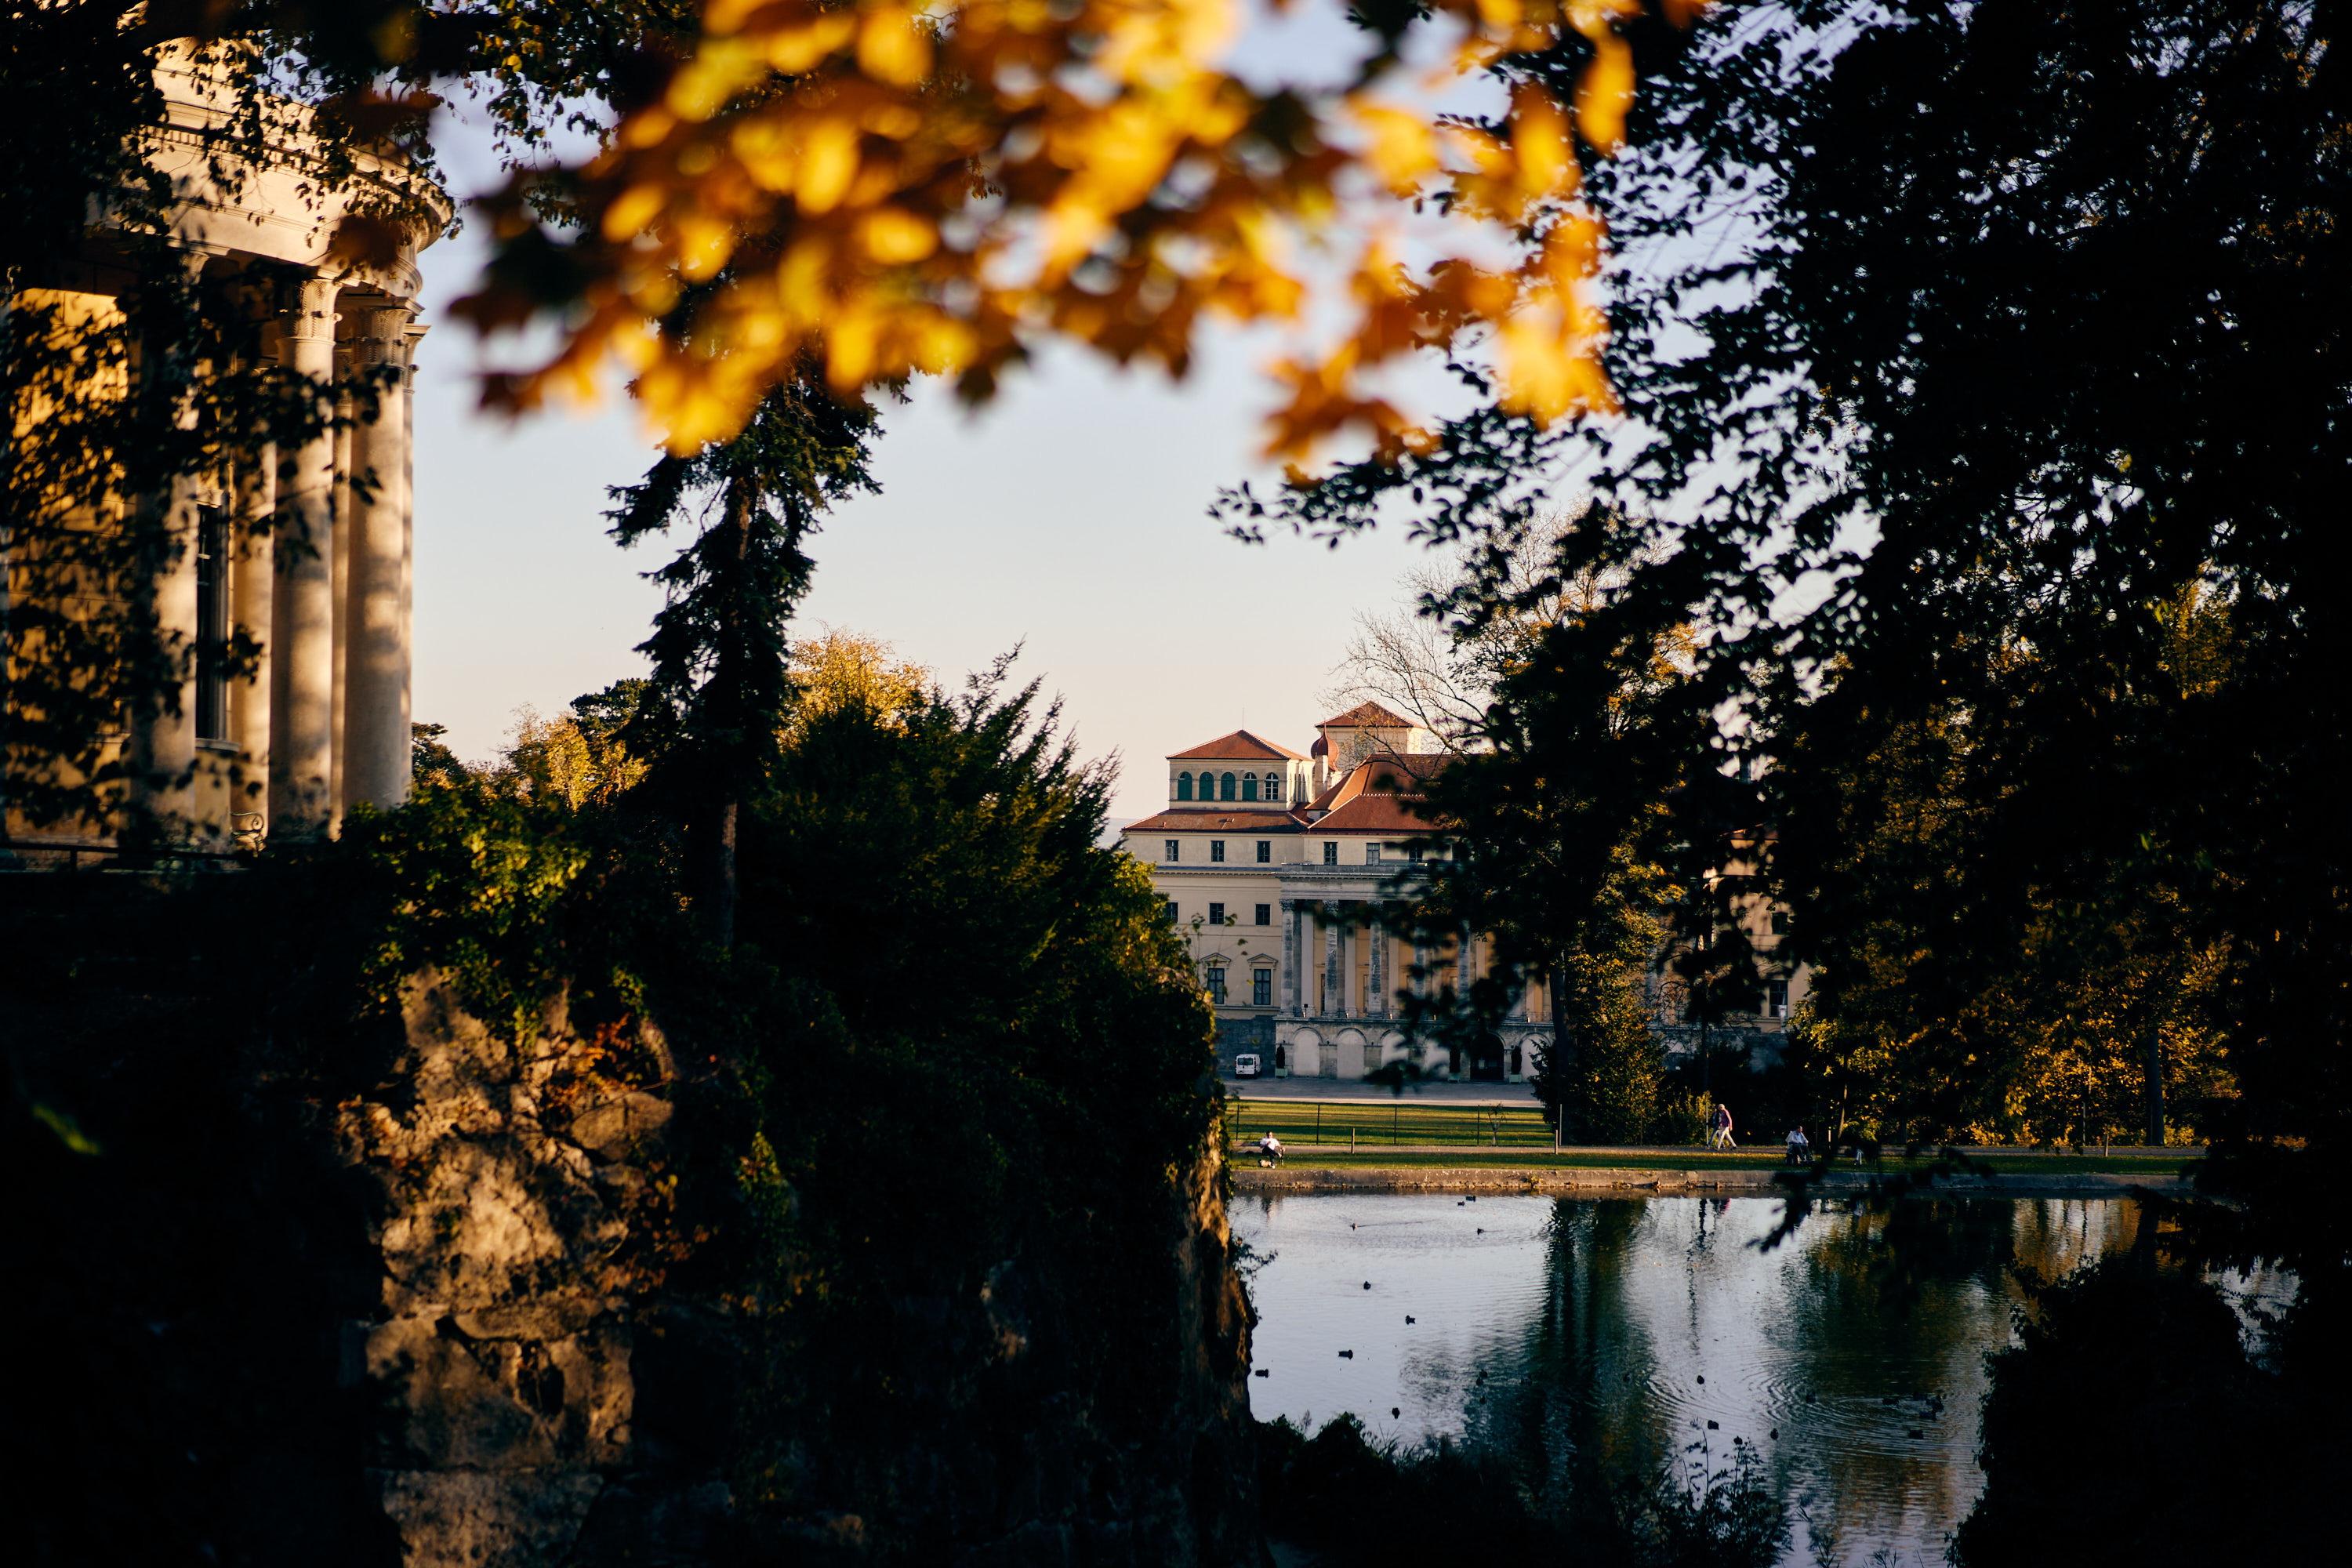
(894, 236)
(828, 164)
(1401, 146)
(1039, 134)
(1539, 144)
(892, 47)
(728, 15)
(795, 50)
(1605, 93)
(633, 210)
(719, 69)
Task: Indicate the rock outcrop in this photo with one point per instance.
(412, 1292)
(513, 1186)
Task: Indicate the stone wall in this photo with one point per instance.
(544, 1400)
(513, 1186)
(292, 1289)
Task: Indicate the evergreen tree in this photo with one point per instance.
(716, 705)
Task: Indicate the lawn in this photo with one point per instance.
(1313, 1124)
(2007, 1163)
(1436, 1134)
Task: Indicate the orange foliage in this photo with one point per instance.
(896, 189)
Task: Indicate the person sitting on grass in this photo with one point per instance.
(1800, 1148)
(1269, 1149)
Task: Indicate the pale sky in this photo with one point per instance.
(1069, 518)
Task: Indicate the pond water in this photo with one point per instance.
(1626, 1330)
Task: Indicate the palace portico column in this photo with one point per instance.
(1376, 1000)
(303, 742)
(1290, 960)
(1335, 1000)
(375, 644)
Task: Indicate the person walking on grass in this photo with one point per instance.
(1722, 1139)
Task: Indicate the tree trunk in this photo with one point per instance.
(729, 681)
(722, 876)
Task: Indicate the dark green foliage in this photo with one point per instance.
(2129, 1425)
(184, 1277)
(938, 1115)
(712, 714)
(1364, 1501)
(981, 1069)
(2025, 328)
(1611, 1085)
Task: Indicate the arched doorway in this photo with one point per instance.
(1486, 1058)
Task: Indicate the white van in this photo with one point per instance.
(1245, 1066)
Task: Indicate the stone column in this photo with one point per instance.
(160, 748)
(163, 740)
(409, 533)
(302, 726)
(375, 647)
(338, 682)
(253, 580)
(1335, 1000)
(1290, 978)
(1376, 981)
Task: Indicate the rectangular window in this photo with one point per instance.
(212, 622)
(1414, 853)
(1217, 984)
(1330, 853)
(1172, 847)
(1775, 998)
(1371, 854)
(1170, 908)
(1216, 914)
(1264, 851)
(1261, 987)
(1780, 922)
(1217, 850)
(1266, 914)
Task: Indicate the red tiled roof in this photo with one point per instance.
(1366, 716)
(1417, 768)
(1390, 816)
(1389, 774)
(1216, 822)
(1240, 744)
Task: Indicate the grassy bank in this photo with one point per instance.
(2005, 1164)
(1406, 1134)
(1319, 1124)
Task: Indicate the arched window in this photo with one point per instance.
(1227, 793)
(1183, 786)
(1249, 786)
(1274, 786)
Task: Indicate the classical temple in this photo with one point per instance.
(307, 551)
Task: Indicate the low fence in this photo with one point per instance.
(1321, 1124)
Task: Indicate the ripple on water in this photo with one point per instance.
(1594, 1321)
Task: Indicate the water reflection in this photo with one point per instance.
(1587, 1337)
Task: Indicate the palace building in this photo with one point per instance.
(1283, 871)
(307, 552)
